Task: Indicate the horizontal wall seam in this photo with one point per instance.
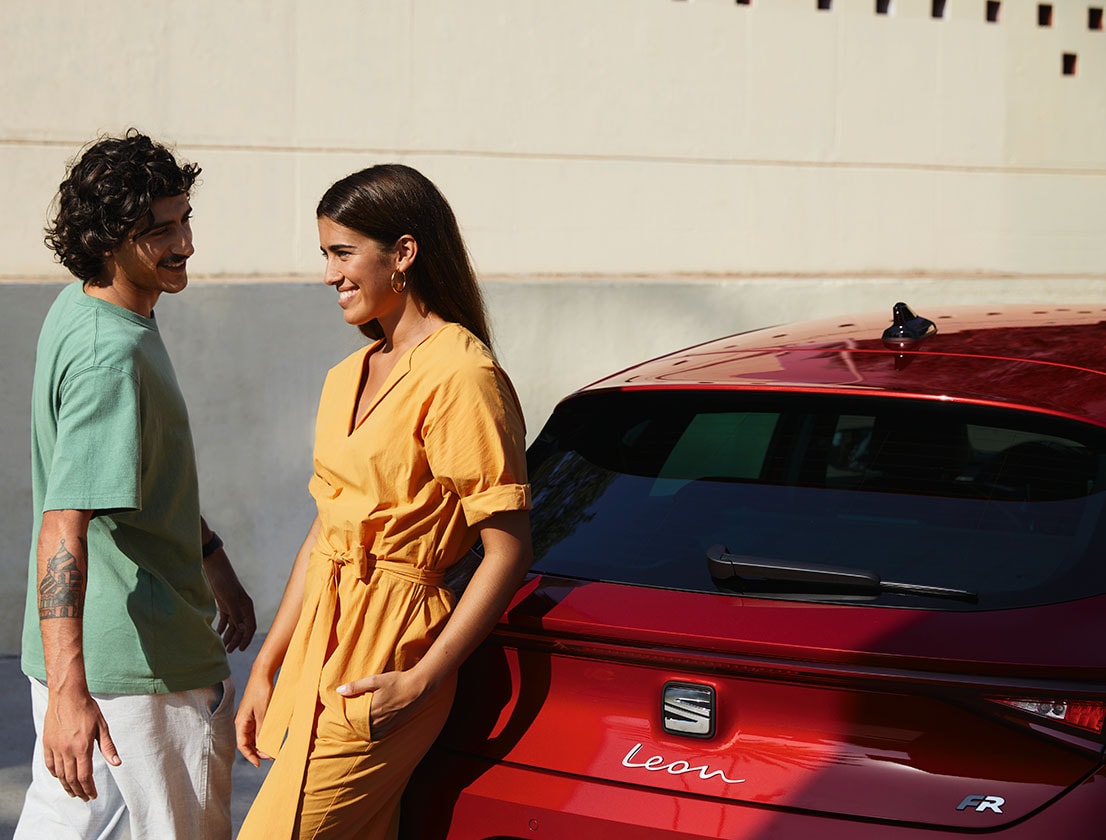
(620, 278)
(669, 160)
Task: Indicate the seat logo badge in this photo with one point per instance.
(982, 803)
(657, 764)
(688, 709)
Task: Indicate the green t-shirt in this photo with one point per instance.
(110, 434)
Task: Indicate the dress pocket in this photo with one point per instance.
(321, 489)
(357, 711)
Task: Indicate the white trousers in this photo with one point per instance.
(177, 751)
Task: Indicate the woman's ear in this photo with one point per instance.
(406, 249)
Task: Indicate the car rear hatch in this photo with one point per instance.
(601, 687)
(958, 684)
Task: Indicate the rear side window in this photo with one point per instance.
(635, 487)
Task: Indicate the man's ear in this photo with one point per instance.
(406, 249)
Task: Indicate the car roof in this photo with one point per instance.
(1047, 358)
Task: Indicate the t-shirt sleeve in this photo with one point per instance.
(475, 441)
(97, 463)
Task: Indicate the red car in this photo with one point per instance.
(843, 579)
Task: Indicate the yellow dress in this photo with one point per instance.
(400, 498)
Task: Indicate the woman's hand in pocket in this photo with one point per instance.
(396, 699)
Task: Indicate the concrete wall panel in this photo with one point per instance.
(249, 212)
(31, 173)
(614, 127)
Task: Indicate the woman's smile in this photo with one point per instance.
(346, 296)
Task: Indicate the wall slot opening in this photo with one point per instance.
(938, 8)
(825, 5)
(1069, 64)
(1094, 19)
(883, 7)
(992, 10)
(1044, 14)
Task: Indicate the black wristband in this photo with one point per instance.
(211, 546)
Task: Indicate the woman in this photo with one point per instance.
(419, 450)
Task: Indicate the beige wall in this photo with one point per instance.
(650, 136)
(631, 176)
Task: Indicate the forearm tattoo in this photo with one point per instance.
(61, 592)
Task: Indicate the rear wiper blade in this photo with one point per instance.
(815, 577)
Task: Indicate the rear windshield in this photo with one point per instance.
(635, 487)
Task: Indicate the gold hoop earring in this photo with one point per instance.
(398, 287)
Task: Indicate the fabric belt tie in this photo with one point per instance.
(293, 709)
(356, 558)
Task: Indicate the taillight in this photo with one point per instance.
(1087, 715)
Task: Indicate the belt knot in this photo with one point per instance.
(364, 564)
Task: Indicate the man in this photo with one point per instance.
(130, 686)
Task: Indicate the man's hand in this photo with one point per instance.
(237, 623)
(73, 723)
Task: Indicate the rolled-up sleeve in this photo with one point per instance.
(475, 440)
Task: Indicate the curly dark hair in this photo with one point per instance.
(106, 193)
